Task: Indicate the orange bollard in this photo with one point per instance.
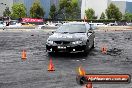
(24, 55)
(89, 85)
(104, 49)
(51, 66)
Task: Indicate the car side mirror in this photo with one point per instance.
(52, 32)
(90, 31)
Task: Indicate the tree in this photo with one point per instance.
(128, 17)
(18, 10)
(90, 13)
(36, 11)
(113, 12)
(7, 12)
(69, 9)
(75, 9)
(64, 8)
(52, 11)
(102, 16)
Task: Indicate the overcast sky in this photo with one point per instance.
(123, 0)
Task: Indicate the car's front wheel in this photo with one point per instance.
(50, 53)
(93, 45)
(86, 49)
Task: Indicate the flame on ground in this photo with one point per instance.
(81, 71)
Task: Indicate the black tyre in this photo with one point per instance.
(93, 45)
(81, 80)
(50, 53)
(86, 51)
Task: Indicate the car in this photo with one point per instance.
(58, 24)
(96, 25)
(112, 24)
(2, 24)
(93, 26)
(129, 24)
(14, 23)
(24, 24)
(73, 37)
(40, 26)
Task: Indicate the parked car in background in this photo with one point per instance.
(93, 26)
(40, 26)
(96, 25)
(129, 24)
(14, 23)
(58, 24)
(122, 23)
(2, 24)
(112, 24)
(26, 24)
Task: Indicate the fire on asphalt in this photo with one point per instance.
(32, 73)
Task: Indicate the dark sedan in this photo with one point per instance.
(71, 37)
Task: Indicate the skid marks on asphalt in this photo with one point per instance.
(114, 52)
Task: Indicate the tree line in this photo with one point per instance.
(19, 11)
(111, 13)
(67, 10)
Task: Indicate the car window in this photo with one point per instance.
(72, 28)
(12, 23)
(87, 26)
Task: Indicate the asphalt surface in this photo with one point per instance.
(32, 73)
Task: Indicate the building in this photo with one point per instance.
(9, 3)
(55, 2)
(121, 5)
(4, 4)
(129, 6)
(98, 6)
(46, 6)
(80, 3)
(124, 6)
(44, 3)
(18, 1)
(28, 5)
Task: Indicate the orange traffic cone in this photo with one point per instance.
(104, 49)
(85, 18)
(51, 66)
(24, 55)
(89, 85)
